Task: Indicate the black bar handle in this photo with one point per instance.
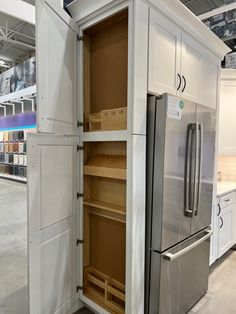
(184, 84)
(219, 210)
(180, 81)
(222, 222)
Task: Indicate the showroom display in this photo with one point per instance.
(87, 161)
(13, 154)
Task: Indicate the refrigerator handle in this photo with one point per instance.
(187, 173)
(196, 152)
(171, 257)
(200, 131)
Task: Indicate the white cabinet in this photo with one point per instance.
(209, 78)
(227, 127)
(179, 64)
(191, 57)
(226, 205)
(225, 231)
(164, 55)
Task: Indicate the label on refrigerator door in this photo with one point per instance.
(175, 107)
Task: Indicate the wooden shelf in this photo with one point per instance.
(106, 206)
(104, 290)
(107, 166)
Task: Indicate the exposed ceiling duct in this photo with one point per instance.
(202, 6)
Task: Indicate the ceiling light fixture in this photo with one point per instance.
(2, 62)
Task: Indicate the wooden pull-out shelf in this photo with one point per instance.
(108, 120)
(104, 290)
(106, 210)
(107, 166)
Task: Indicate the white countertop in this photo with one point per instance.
(225, 187)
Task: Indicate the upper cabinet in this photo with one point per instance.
(164, 55)
(227, 140)
(179, 64)
(209, 80)
(191, 56)
(56, 69)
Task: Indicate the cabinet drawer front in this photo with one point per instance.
(226, 200)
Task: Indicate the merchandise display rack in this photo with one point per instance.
(14, 126)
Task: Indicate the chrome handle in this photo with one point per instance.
(171, 257)
(195, 168)
(187, 173)
(199, 155)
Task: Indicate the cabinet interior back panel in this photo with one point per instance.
(107, 247)
(106, 64)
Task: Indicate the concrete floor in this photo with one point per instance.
(221, 295)
(13, 248)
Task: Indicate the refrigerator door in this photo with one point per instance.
(166, 170)
(179, 277)
(206, 120)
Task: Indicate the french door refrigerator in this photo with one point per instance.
(180, 166)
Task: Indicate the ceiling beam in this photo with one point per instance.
(16, 42)
(18, 9)
(217, 11)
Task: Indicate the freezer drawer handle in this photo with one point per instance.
(171, 257)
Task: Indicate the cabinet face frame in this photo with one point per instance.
(100, 136)
(99, 17)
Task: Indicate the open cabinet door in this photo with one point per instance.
(51, 222)
(56, 41)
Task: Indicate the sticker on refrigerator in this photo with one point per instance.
(175, 107)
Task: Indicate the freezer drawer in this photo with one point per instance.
(179, 276)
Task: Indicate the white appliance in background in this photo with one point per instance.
(180, 166)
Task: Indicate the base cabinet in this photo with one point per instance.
(225, 231)
(225, 222)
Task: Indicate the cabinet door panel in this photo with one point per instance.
(227, 139)
(209, 82)
(225, 231)
(191, 68)
(51, 223)
(56, 69)
(164, 55)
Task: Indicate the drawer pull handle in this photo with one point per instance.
(228, 199)
(219, 210)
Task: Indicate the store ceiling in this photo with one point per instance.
(202, 6)
(17, 40)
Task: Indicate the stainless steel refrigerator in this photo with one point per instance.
(180, 167)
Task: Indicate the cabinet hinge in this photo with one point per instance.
(80, 38)
(79, 124)
(79, 242)
(80, 195)
(80, 148)
(79, 288)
